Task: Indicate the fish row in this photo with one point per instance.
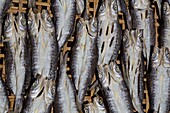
(33, 46)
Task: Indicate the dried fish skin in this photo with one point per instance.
(132, 65)
(115, 91)
(64, 12)
(165, 26)
(159, 81)
(17, 57)
(44, 45)
(65, 99)
(109, 32)
(84, 57)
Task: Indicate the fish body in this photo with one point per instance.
(17, 57)
(65, 99)
(165, 26)
(43, 42)
(64, 12)
(4, 106)
(96, 106)
(109, 32)
(159, 81)
(149, 35)
(40, 97)
(84, 56)
(4, 6)
(132, 65)
(80, 6)
(115, 92)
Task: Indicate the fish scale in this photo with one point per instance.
(159, 81)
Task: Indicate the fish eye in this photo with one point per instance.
(102, 7)
(23, 22)
(95, 24)
(154, 56)
(79, 25)
(125, 40)
(167, 54)
(53, 90)
(117, 69)
(29, 21)
(100, 101)
(114, 6)
(86, 109)
(49, 19)
(164, 8)
(7, 23)
(34, 85)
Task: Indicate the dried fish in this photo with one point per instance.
(41, 96)
(132, 65)
(17, 57)
(96, 106)
(109, 32)
(115, 92)
(43, 42)
(65, 100)
(84, 57)
(159, 81)
(64, 12)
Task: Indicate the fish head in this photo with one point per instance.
(140, 4)
(102, 10)
(99, 104)
(114, 10)
(21, 20)
(37, 87)
(115, 72)
(9, 23)
(92, 27)
(166, 11)
(166, 57)
(48, 23)
(88, 108)
(156, 57)
(80, 27)
(103, 75)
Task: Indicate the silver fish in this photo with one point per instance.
(115, 92)
(40, 97)
(140, 4)
(64, 12)
(4, 106)
(159, 81)
(109, 32)
(65, 100)
(132, 65)
(43, 42)
(4, 6)
(84, 57)
(17, 57)
(165, 26)
(149, 34)
(96, 106)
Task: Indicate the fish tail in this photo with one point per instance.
(18, 105)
